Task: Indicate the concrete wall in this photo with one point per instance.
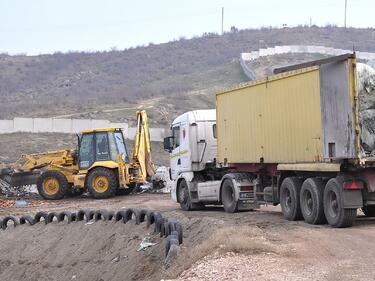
(52, 125)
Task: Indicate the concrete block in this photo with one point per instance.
(23, 125)
(43, 125)
(97, 123)
(79, 125)
(62, 125)
(6, 126)
(157, 134)
(130, 133)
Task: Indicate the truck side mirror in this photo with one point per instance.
(168, 144)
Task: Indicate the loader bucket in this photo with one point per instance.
(15, 179)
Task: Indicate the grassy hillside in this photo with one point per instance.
(166, 79)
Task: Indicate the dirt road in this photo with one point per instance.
(257, 245)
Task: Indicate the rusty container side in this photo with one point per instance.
(274, 120)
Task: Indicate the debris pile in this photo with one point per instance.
(366, 93)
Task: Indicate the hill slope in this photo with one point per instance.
(167, 79)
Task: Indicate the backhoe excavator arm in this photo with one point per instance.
(141, 156)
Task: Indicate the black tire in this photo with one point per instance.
(311, 201)
(152, 217)
(228, 196)
(179, 230)
(335, 214)
(183, 196)
(159, 224)
(86, 215)
(40, 215)
(27, 218)
(5, 221)
(369, 211)
(143, 215)
(290, 198)
(65, 214)
(170, 240)
(51, 216)
(102, 183)
(57, 188)
(101, 215)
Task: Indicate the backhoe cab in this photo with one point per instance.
(101, 165)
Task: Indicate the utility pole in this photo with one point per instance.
(222, 20)
(346, 4)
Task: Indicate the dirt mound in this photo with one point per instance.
(79, 251)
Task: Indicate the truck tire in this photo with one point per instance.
(335, 214)
(52, 185)
(183, 196)
(290, 198)
(311, 201)
(369, 211)
(102, 183)
(227, 196)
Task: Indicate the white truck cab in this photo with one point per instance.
(197, 180)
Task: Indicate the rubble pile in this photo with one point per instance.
(366, 93)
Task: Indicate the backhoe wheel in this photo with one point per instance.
(228, 196)
(102, 183)
(335, 213)
(52, 185)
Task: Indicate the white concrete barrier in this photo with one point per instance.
(23, 125)
(42, 125)
(6, 126)
(46, 125)
(79, 125)
(62, 125)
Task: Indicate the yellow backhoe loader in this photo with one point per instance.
(100, 164)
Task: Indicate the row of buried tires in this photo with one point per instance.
(171, 229)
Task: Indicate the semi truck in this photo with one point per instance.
(292, 138)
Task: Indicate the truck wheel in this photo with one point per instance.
(369, 211)
(102, 183)
(311, 201)
(52, 185)
(290, 198)
(183, 196)
(228, 196)
(335, 214)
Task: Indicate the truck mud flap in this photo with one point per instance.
(352, 199)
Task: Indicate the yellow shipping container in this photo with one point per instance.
(301, 116)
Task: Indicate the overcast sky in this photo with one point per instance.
(46, 26)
